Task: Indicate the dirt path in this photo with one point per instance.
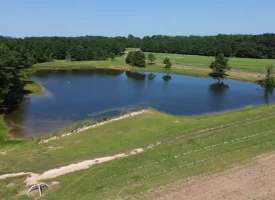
(52, 173)
(254, 180)
(236, 73)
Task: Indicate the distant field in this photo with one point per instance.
(188, 146)
(251, 69)
(244, 64)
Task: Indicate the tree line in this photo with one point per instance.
(44, 49)
(244, 46)
(12, 78)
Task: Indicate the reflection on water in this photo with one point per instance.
(218, 96)
(73, 96)
(136, 75)
(167, 77)
(268, 95)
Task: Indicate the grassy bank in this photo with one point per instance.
(188, 146)
(242, 68)
(34, 88)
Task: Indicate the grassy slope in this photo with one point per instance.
(35, 88)
(183, 152)
(253, 67)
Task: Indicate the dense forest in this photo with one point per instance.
(11, 76)
(44, 49)
(16, 54)
(244, 46)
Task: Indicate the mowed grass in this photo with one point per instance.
(189, 146)
(182, 64)
(34, 88)
(244, 64)
(13, 188)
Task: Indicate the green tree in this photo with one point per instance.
(11, 77)
(136, 58)
(269, 79)
(129, 56)
(167, 63)
(219, 67)
(79, 53)
(151, 58)
(112, 56)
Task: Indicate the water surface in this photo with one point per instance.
(72, 96)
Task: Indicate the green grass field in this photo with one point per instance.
(244, 64)
(189, 146)
(182, 64)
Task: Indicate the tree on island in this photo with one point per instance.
(151, 58)
(136, 58)
(219, 67)
(269, 78)
(168, 64)
(112, 56)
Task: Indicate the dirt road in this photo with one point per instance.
(254, 180)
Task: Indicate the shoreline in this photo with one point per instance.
(181, 146)
(186, 72)
(84, 128)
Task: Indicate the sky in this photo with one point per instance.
(24, 18)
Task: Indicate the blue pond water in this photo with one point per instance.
(78, 95)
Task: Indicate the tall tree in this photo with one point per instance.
(219, 67)
(112, 56)
(79, 53)
(269, 79)
(151, 58)
(167, 65)
(11, 77)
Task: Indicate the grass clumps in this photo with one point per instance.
(34, 88)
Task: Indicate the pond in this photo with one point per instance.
(73, 96)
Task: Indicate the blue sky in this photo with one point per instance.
(20, 18)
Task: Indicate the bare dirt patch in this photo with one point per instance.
(3, 153)
(253, 180)
(115, 68)
(52, 148)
